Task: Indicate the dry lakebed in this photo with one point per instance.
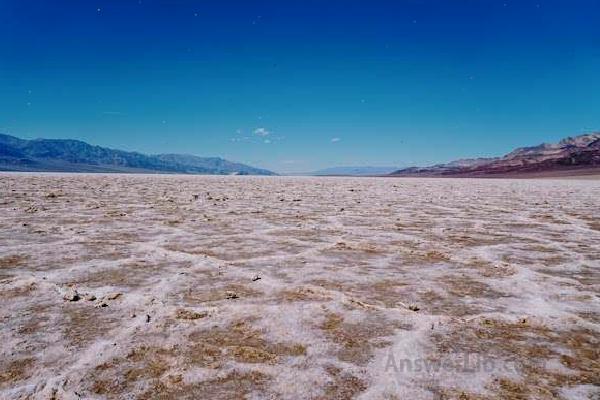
(223, 287)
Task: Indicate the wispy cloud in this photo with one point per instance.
(261, 132)
(241, 139)
(260, 135)
(335, 139)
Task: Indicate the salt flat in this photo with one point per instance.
(156, 287)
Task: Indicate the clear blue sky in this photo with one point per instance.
(301, 85)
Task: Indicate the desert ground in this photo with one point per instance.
(193, 287)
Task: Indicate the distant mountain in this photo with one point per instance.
(470, 162)
(355, 171)
(215, 164)
(571, 155)
(76, 156)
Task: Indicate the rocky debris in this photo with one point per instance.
(231, 295)
(113, 296)
(341, 246)
(148, 318)
(414, 307)
(104, 300)
(189, 314)
(31, 209)
(363, 304)
(71, 294)
(256, 278)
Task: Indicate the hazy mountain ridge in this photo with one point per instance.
(572, 153)
(68, 155)
(355, 171)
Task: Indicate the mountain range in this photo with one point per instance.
(65, 155)
(354, 171)
(572, 155)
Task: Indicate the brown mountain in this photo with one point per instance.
(572, 155)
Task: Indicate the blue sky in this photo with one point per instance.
(302, 85)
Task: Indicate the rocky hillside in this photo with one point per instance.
(77, 156)
(572, 154)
